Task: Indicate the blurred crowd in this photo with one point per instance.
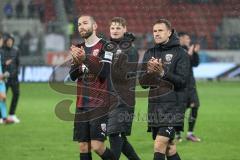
(33, 9)
(29, 44)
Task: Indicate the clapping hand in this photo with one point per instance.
(78, 54)
(155, 66)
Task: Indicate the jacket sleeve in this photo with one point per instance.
(194, 59)
(181, 73)
(18, 61)
(2, 60)
(133, 63)
(13, 68)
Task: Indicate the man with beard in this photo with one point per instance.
(191, 94)
(123, 76)
(165, 72)
(91, 68)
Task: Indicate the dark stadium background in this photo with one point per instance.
(44, 29)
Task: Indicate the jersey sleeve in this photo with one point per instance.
(99, 65)
(106, 57)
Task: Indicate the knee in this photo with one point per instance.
(160, 144)
(84, 147)
(171, 150)
(98, 147)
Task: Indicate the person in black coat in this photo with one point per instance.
(192, 100)
(165, 72)
(10, 61)
(123, 76)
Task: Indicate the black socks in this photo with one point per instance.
(128, 150)
(159, 156)
(119, 143)
(85, 156)
(108, 155)
(174, 157)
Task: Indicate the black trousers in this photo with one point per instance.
(14, 85)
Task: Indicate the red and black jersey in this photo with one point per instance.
(93, 76)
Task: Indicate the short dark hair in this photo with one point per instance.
(119, 20)
(165, 21)
(181, 34)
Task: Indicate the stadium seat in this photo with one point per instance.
(201, 19)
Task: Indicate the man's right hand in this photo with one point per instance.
(78, 54)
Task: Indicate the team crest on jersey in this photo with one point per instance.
(95, 52)
(104, 127)
(168, 57)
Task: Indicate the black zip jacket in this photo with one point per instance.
(123, 78)
(167, 93)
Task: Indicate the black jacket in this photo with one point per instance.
(123, 74)
(194, 62)
(13, 68)
(191, 94)
(166, 94)
(123, 77)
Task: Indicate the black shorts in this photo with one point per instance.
(120, 120)
(163, 131)
(85, 131)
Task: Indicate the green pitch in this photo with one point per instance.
(43, 136)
